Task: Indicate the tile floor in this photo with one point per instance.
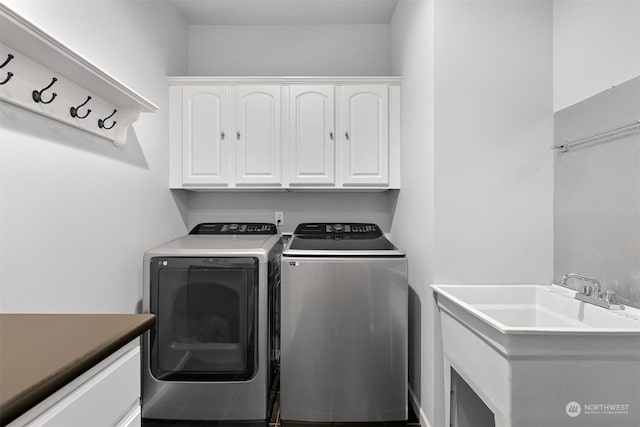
(276, 422)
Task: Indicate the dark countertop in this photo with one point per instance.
(41, 353)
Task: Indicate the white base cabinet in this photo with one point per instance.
(106, 395)
(285, 133)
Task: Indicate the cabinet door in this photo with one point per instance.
(311, 135)
(258, 135)
(98, 397)
(205, 153)
(364, 115)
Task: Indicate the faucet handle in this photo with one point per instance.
(586, 290)
(610, 297)
(595, 291)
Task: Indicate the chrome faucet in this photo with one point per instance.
(585, 289)
(592, 294)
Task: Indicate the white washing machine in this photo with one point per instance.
(214, 351)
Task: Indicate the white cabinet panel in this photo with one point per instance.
(364, 137)
(132, 419)
(108, 394)
(205, 155)
(285, 133)
(311, 135)
(258, 135)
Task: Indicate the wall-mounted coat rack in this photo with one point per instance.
(42, 75)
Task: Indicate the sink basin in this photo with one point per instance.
(538, 309)
(538, 357)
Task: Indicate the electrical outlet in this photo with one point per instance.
(279, 218)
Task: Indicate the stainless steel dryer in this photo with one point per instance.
(344, 325)
(214, 351)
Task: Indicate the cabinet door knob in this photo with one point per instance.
(331, 135)
(346, 135)
(238, 135)
(222, 135)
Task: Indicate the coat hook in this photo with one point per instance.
(9, 75)
(74, 110)
(9, 58)
(37, 94)
(101, 121)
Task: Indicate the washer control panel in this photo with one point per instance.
(234, 228)
(352, 228)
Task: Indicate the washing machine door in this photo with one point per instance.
(206, 319)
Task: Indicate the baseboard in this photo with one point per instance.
(422, 417)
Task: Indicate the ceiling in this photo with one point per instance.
(285, 12)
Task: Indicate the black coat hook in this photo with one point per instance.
(37, 94)
(9, 75)
(6, 61)
(74, 110)
(101, 121)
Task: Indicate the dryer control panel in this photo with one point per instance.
(235, 228)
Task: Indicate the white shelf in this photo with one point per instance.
(283, 80)
(38, 57)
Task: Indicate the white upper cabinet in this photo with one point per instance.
(258, 135)
(364, 136)
(205, 150)
(311, 135)
(284, 133)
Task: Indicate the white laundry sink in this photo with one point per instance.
(538, 357)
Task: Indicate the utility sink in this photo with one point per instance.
(537, 357)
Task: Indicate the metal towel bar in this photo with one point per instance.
(618, 130)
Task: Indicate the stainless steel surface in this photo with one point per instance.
(342, 247)
(617, 131)
(344, 339)
(328, 253)
(566, 277)
(598, 301)
(611, 297)
(592, 294)
(221, 245)
(597, 194)
(183, 400)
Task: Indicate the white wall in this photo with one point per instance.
(493, 130)
(412, 52)
(289, 50)
(298, 207)
(600, 239)
(596, 46)
(477, 169)
(77, 212)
